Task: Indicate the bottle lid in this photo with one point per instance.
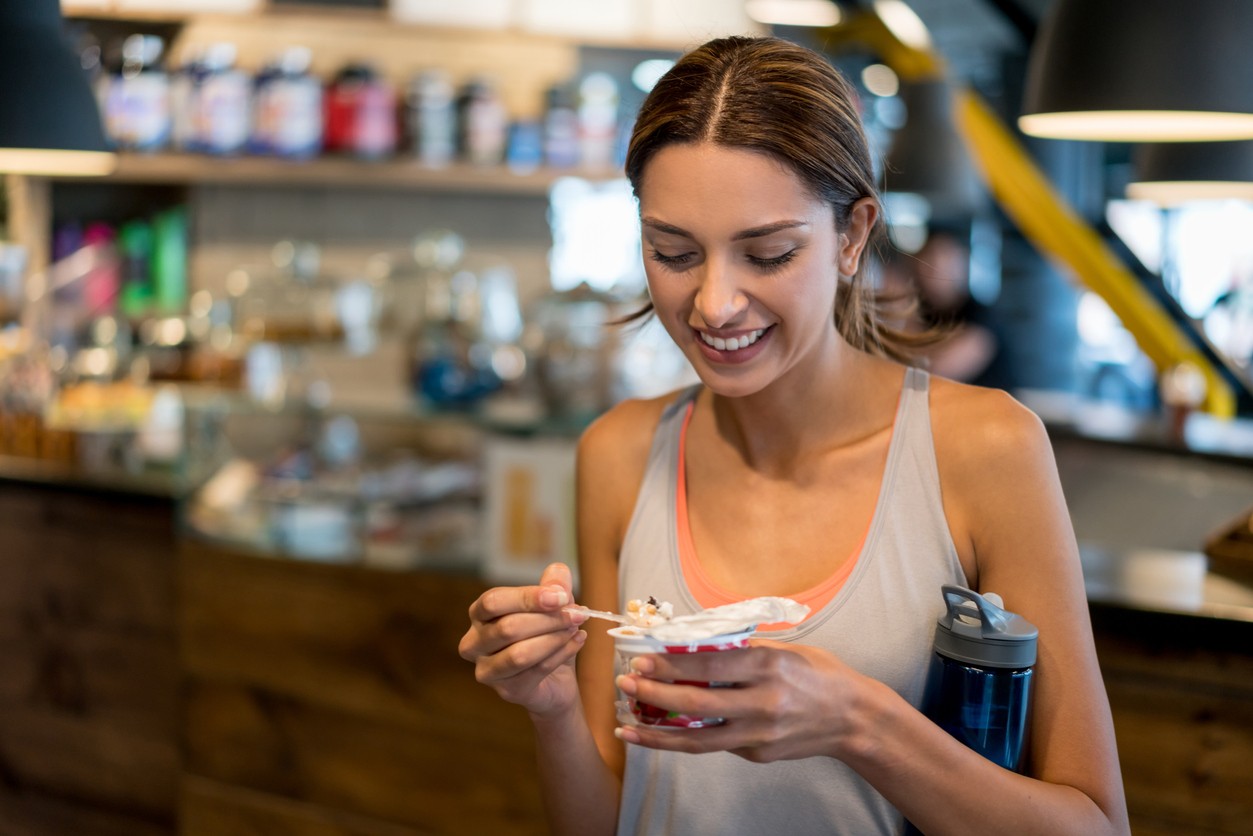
(975, 630)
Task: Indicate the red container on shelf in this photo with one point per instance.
(360, 114)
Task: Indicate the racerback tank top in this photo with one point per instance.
(881, 623)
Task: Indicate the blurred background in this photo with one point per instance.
(303, 306)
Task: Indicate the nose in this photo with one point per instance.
(719, 299)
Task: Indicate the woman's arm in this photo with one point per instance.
(1000, 484)
(581, 763)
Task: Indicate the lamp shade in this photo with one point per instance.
(1142, 71)
(928, 156)
(49, 121)
(1176, 172)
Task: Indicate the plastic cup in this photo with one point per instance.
(629, 643)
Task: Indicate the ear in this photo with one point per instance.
(861, 221)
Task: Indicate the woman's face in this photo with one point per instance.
(742, 263)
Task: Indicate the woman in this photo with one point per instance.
(809, 463)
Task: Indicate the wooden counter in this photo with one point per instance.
(89, 676)
(331, 700)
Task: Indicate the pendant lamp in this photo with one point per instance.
(928, 157)
(1176, 172)
(1142, 71)
(49, 121)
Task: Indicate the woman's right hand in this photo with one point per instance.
(523, 645)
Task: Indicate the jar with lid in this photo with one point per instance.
(561, 127)
(287, 107)
(483, 123)
(137, 96)
(431, 118)
(185, 83)
(360, 109)
(598, 120)
(222, 104)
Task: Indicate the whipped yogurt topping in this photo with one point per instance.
(728, 618)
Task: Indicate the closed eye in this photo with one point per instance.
(673, 261)
(774, 263)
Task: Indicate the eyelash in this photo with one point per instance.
(765, 264)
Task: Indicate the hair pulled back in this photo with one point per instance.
(781, 99)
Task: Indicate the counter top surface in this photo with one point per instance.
(159, 483)
(1165, 581)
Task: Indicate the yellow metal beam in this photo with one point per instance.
(1056, 230)
(1043, 215)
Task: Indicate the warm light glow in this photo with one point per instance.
(56, 163)
(880, 80)
(1175, 192)
(1139, 125)
(904, 23)
(794, 12)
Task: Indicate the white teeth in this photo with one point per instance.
(735, 343)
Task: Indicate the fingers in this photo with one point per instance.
(494, 636)
(511, 658)
(554, 591)
(739, 666)
(686, 698)
(692, 741)
(522, 685)
(558, 574)
(526, 678)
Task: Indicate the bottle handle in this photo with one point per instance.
(964, 604)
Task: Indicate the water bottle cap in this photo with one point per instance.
(979, 632)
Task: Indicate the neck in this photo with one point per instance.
(792, 422)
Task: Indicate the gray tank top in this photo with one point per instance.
(881, 622)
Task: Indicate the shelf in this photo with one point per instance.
(335, 172)
(362, 22)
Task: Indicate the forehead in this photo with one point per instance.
(707, 184)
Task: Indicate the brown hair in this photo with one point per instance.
(781, 99)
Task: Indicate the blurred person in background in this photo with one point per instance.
(974, 350)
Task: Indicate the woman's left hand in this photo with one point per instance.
(788, 701)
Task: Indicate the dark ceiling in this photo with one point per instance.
(975, 36)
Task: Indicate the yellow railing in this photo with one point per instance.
(1044, 216)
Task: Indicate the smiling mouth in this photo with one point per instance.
(734, 343)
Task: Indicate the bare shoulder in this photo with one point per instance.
(622, 435)
(613, 454)
(980, 433)
(999, 483)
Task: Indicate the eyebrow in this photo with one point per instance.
(755, 232)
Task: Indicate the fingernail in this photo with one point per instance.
(625, 684)
(554, 597)
(642, 664)
(625, 734)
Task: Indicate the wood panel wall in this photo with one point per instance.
(1181, 692)
(331, 700)
(88, 664)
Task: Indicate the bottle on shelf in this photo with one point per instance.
(482, 123)
(561, 127)
(288, 108)
(431, 118)
(598, 121)
(222, 106)
(360, 110)
(136, 95)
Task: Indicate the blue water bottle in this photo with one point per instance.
(979, 684)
